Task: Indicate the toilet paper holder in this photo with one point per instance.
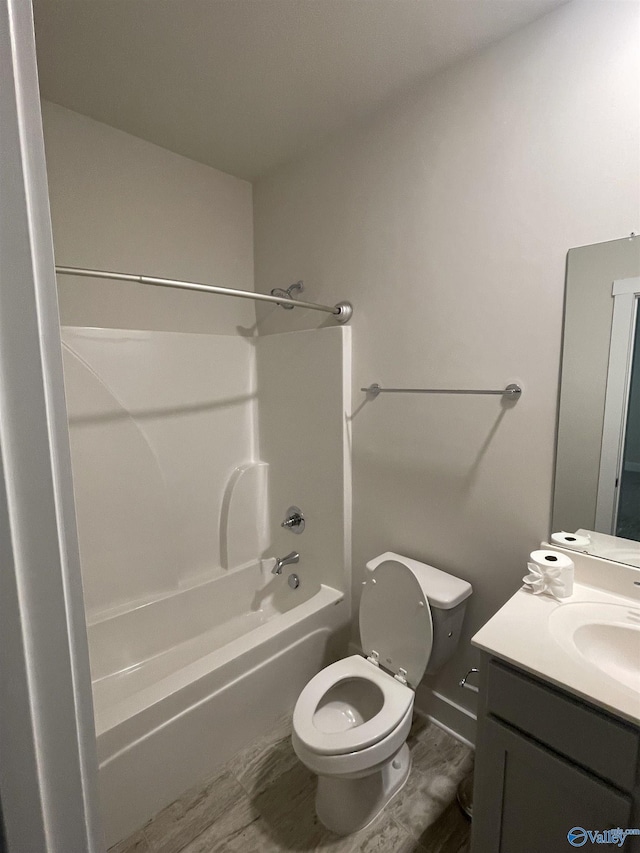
(463, 681)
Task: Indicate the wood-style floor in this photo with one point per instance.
(263, 801)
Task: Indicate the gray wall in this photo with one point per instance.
(446, 219)
(120, 203)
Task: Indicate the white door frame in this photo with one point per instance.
(625, 293)
(48, 763)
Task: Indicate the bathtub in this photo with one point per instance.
(182, 682)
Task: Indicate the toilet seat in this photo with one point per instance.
(397, 698)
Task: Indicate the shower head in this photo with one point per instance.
(290, 293)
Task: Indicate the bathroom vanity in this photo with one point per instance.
(558, 743)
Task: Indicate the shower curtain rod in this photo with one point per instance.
(342, 311)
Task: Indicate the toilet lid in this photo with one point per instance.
(395, 620)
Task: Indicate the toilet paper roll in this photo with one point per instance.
(576, 541)
(550, 572)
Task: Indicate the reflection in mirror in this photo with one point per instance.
(597, 481)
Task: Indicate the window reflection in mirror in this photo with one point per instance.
(597, 481)
(626, 516)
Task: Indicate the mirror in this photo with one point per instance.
(597, 479)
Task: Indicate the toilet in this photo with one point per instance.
(351, 721)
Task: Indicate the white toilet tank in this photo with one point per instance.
(447, 597)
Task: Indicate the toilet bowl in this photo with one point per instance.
(351, 721)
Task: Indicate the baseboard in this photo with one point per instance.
(447, 715)
(452, 718)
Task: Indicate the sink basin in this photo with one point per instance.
(603, 636)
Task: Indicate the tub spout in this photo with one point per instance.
(281, 562)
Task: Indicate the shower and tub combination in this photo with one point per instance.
(215, 550)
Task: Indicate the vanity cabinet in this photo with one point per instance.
(546, 763)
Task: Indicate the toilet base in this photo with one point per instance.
(345, 805)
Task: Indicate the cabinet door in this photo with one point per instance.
(526, 798)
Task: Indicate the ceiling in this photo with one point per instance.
(246, 85)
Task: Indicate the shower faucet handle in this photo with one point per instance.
(294, 520)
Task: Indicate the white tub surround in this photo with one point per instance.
(538, 634)
(244, 515)
(159, 422)
(196, 647)
(305, 416)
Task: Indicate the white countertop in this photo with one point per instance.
(519, 633)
